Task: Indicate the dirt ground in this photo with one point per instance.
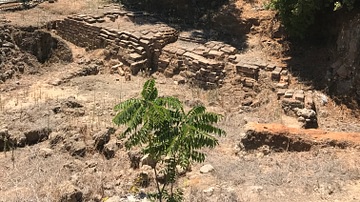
(76, 103)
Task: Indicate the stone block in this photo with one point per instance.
(135, 57)
(100, 20)
(232, 58)
(144, 42)
(280, 92)
(275, 74)
(228, 49)
(169, 72)
(180, 52)
(292, 103)
(249, 82)
(282, 85)
(90, 20)
(135, 67)
(284, 78)
(250, 70)
(163, 62)
(289, 93)
(215, 54)
(299, 95)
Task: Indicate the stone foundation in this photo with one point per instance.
(138, 47)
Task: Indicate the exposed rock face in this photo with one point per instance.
(344, 74)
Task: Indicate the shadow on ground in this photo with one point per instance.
(215, 20)
(321, 60)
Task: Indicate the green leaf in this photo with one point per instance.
(149, 91)
(160, 126)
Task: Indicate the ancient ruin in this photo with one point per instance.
(65, 64)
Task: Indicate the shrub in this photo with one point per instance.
(298, 15)
(167, 134)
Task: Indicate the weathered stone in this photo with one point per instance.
(206, 169)
(77, 148)
(299, 95)
(179, 79)
(135, 157)
(281, 92)
(69, 192)
(228, 49)
(284, 80)
(289, 93)
(275, 74)
(169, 73)
(270, 67)
(90, 20)
(137, 66)
(232, 58)
(163, 62)
(70, 102)
(216, 54)
(249, 70)
(102, 137)
(198, 58)
(19, 140)
(46, 152)
(180, 52)
(114, 199)
(8, 45)
(306, 113)
(282, 85)
(292, 103)
(110, 149)
(100, 20)
(249, 82)
(309, 101)
(247, 101)
(209, 191)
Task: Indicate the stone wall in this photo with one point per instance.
(202, 64)
(140, 49)
(137, 46)
(79, 33)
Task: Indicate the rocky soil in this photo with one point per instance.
(58, 143)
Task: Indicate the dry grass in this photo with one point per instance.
(69, 7)
(320, 174)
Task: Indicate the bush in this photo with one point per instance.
(298, 15)
(167, 134)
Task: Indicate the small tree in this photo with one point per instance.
(168, 135)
